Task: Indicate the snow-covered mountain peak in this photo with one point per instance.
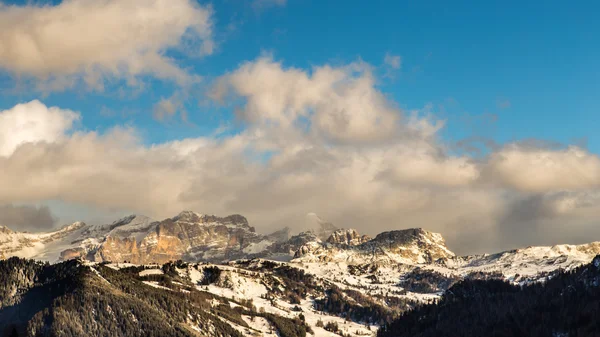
(415, 244)
(133, 226)
(412, 236)
(410, 246)
(126, 220)
(188, 216)
(72, 227)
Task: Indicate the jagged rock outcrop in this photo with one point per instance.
(348, 237)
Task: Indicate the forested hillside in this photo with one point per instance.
(72, 299)
(568, 304)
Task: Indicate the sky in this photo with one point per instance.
(475, 120)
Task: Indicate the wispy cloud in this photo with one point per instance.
(392, 61)
(166, 108)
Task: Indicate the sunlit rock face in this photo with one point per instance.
(188, 236)
(192, 236)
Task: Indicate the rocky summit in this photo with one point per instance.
(348, 237)
(409, 246)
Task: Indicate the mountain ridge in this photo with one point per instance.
(197, 237)
(189, 236)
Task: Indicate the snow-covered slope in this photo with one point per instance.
(410, 246)
(42, 246)
(526, 262)
(71, 241)
(263, 283)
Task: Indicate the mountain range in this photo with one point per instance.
(328, 281)
(195, 237)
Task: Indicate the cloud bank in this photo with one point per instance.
(27, 218)
(324, 141)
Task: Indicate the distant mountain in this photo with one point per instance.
(195, 237)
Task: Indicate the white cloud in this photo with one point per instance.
(33, 122)
(425, 166)
(341, 104)
(542, 170)
(90, 40)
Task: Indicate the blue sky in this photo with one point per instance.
(275, 109)
(533, 66)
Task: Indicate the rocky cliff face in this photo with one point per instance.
(348, 237)
(188, 236)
